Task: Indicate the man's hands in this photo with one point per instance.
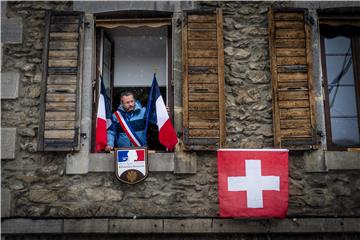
(108, 148)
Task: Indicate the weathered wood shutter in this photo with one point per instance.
(62, 74)
(203, 75)
(291, 71)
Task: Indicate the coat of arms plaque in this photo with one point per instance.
(131, 164)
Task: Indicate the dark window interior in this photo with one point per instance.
(141, 94)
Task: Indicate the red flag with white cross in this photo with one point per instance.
(253, 182)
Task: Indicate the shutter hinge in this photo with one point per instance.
(321, 134)
(308, 19)
(83, 135)
(182, 21)
(179, 22)
(87, 24)
(186, 135)
(323, 90)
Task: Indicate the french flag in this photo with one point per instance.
(156, 106)
(131, 155)
(103, 120)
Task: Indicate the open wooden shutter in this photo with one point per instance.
(291, 70)
(62, 74)
(203, 74)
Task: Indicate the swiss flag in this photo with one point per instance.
(253, 182)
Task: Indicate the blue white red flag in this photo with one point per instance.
(156, 111)
(103, 120)
(131, 155)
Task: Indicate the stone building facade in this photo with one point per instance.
(77, 192)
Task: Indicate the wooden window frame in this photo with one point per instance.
(170, 82)
(96, 86)
(355, 45)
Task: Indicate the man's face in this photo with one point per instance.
(128, 103)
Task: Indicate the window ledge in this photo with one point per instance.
(158, 162)
(337, 160)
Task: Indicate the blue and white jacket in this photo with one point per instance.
(137, 120)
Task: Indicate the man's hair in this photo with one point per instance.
(126, 93)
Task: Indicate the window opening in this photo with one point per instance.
(341, 71)
(129, 54)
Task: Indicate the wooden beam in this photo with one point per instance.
(220, 48)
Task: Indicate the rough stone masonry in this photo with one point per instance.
(39, 187)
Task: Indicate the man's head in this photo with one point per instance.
(127, 100)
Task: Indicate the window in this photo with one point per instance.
(128, 52)
(81, 46)
(70, 87)
(341, 68)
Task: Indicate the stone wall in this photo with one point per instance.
(39, 187)
(189, 236)
(247, 75)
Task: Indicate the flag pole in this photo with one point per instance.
(148, 107)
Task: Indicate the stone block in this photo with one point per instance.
(178, 84)
(178, 120)
(305, 4)
(158, 162)
(240, 226)
(336, 160)
(306, 225)
(78, 163)
(3, 9)
(11, 30)
(315, 161)
(351, 224)
(8, 143)
(187, 226)
(161, 162)
(338, 4)
(23, 226)
(97, 7)
(86, 225)
(5, 202)
(185, 163)
(177, 66)
(136, 226)
(101, 162)
(10, 85)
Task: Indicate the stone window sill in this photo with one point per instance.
(339, 160)
(158, 162)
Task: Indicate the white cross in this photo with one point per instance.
(253, 183)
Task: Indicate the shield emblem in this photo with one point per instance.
(131, 164)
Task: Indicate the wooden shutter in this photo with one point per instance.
(291, 71)
(62, 74)
(203, 74)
